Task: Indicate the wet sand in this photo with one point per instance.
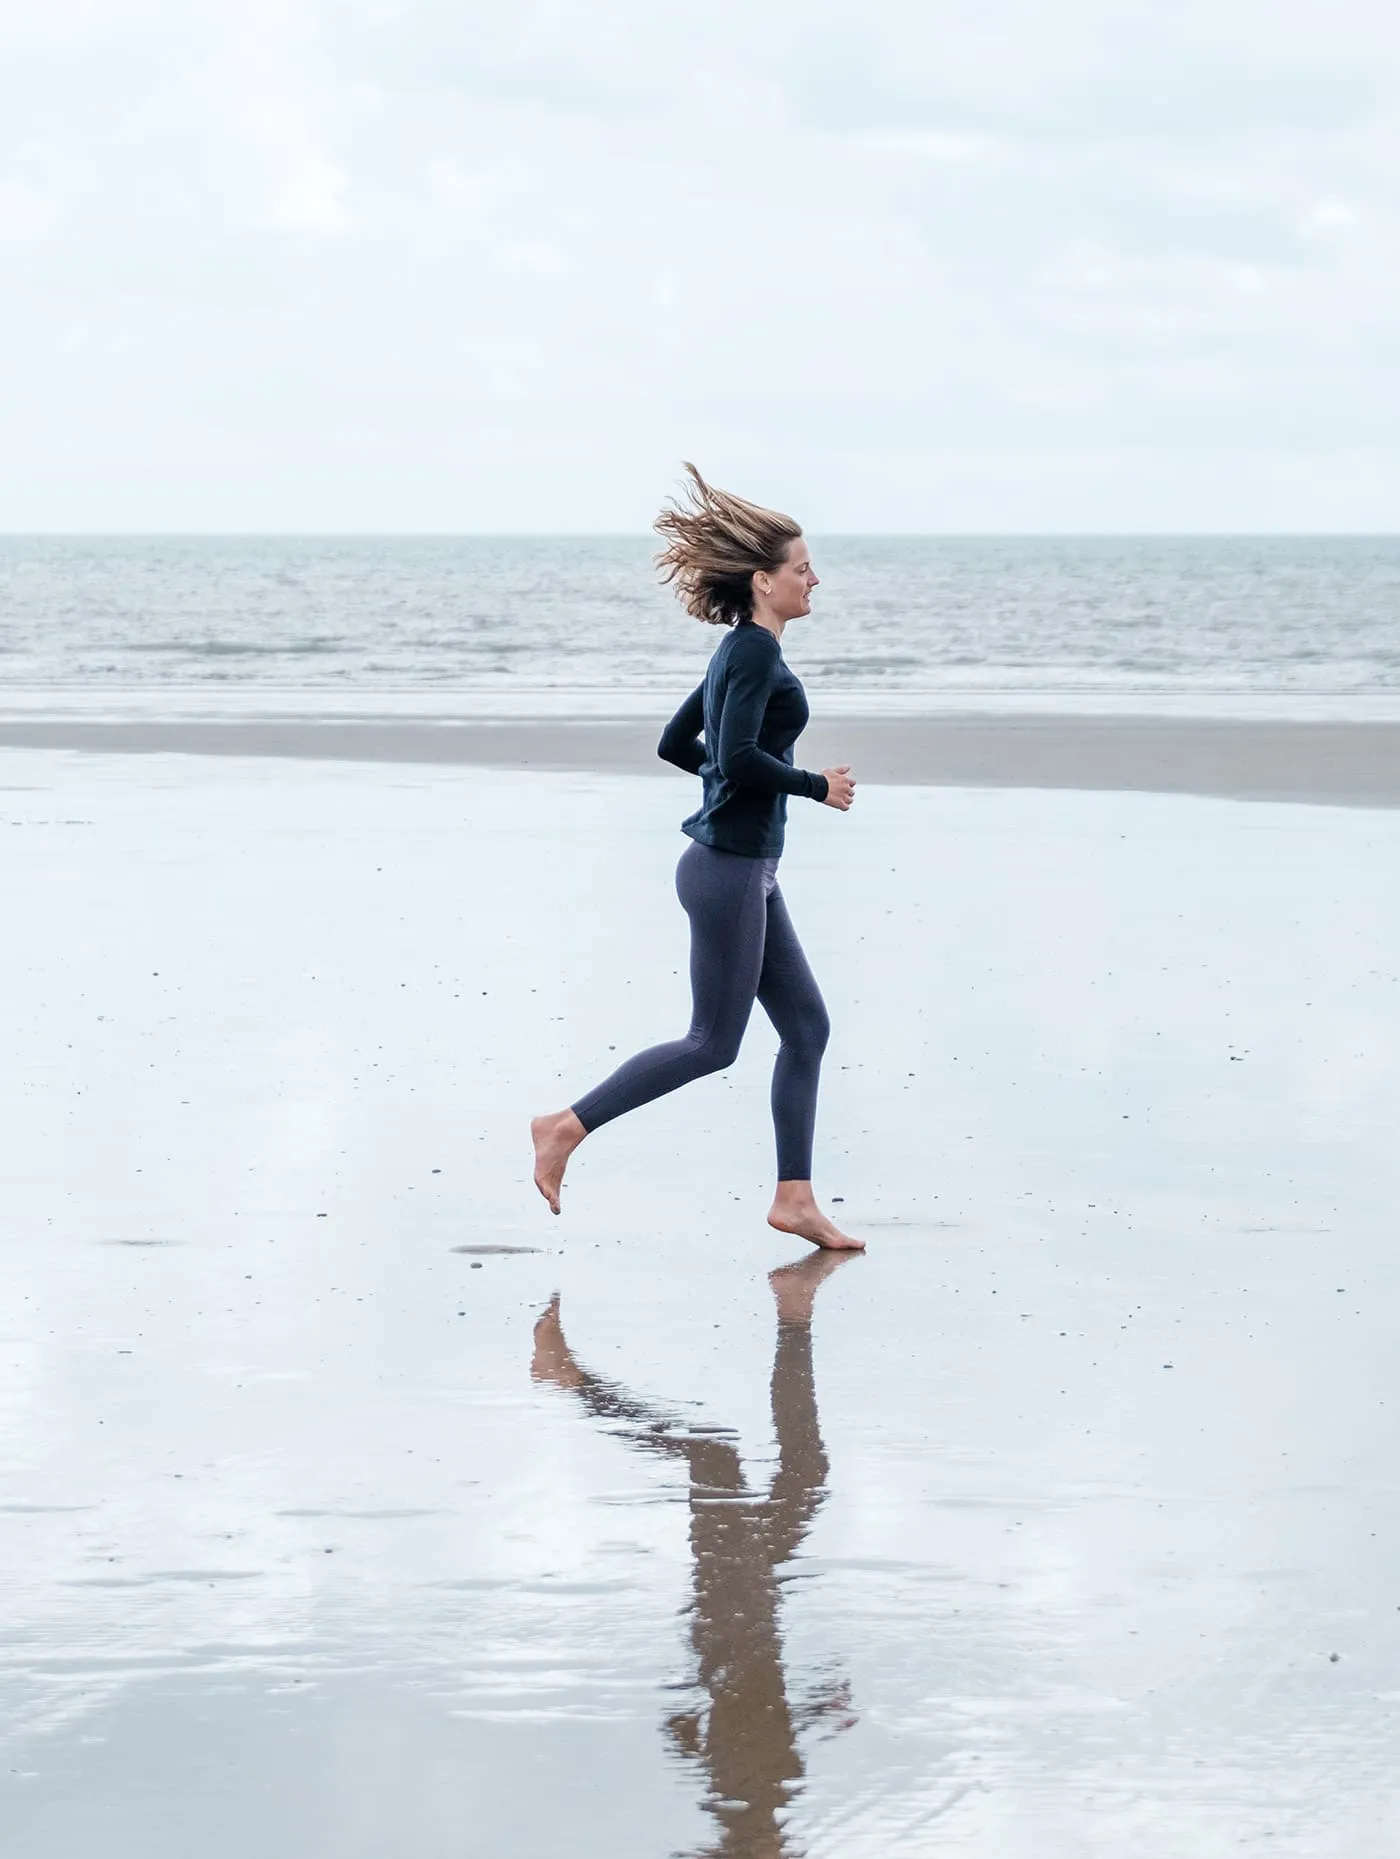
(351, 1504)
(1344, 763)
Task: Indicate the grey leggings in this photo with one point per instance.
(742, 947)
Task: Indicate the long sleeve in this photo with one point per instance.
(746, 696)
(680, 741)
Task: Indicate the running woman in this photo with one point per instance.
(736, 565)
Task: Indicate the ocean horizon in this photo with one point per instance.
(1083, 616)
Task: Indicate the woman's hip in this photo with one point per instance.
(708, 879)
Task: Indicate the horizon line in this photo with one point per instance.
(630, 535)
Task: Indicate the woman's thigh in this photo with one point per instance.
(722, 894)
(787, 988)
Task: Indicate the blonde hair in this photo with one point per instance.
(715, 544)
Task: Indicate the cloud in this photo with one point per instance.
(24, 212)
(274, 65)
(535, 255)
(931, 145)
(812, 239)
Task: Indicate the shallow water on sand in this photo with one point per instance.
(349, 1504)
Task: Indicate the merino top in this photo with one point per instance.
(751, 710)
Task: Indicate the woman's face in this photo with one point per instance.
(791, 585)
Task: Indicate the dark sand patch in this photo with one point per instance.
(1346, 764)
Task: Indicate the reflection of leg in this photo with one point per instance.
(652, 1428)
(800, 1480)
(788, 992)
(795, 1286)
(553, 1360)
(799, 1484)
(723, 896)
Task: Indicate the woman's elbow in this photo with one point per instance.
(681, 752)
(743, 767)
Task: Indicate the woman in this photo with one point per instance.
(735, 565)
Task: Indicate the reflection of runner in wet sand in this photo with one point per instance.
(749, 570)
(747, 1740)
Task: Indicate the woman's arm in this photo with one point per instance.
(680, 740)
(745, 700)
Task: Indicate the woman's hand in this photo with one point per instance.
(840, 789)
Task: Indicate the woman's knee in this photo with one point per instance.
(716, 1054)
(817, 1030)
(805, 1038)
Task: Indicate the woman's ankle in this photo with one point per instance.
(794, 1195)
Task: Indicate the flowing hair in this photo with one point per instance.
(715, 544)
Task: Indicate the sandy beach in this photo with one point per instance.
(1354, 763)
(349, 1504)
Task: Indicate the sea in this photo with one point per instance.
(908, 620)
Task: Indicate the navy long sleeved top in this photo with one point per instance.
(736, 731)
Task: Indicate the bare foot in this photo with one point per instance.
(555, 1139)
(552, 1360)
(795, 1211)
(795, 1286)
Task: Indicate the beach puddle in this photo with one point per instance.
(497, 1252)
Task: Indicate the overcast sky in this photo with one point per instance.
(891, 264)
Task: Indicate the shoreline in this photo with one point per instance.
(1354, 763)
